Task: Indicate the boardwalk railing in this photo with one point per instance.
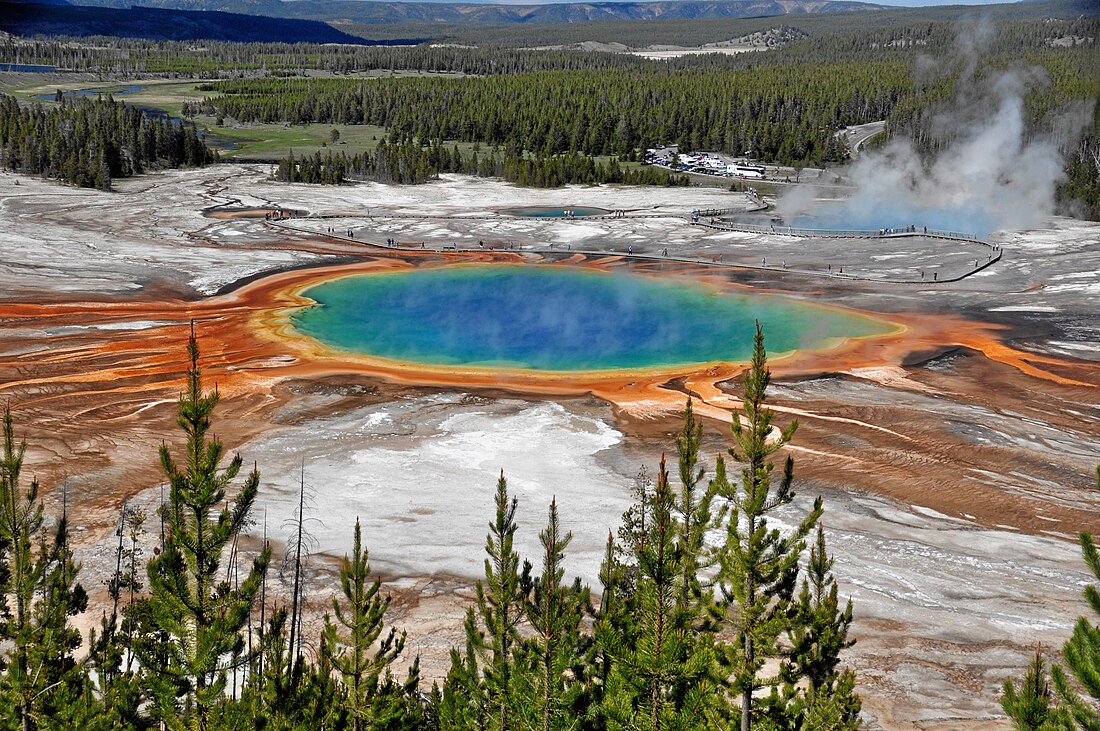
(662, 256)
(711, 212)
(853, 233)
(951, 234)
(697, 216)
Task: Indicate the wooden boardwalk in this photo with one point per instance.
(692, 219)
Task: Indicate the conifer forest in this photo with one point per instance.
(89, 142)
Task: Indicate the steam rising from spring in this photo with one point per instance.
(987, 173)
(559, 319)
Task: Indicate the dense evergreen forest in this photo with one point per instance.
(536, 108)
(217, 59)
(89, 142)
(783, 106)
(887, 34)
(413, 163)
(782, 114)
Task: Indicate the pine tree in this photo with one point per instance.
(500, 609)
(694, 509)
(347, 643)
(816, 693)
(611, 623)
(107, 651)
(633, 528)
(480, 689)
(661, 668)
(833, 709)
(40, 678)
(1030, 707)
(1082, 651)
(277, 697)
(462, 703)
(191, 623)
(758, 563)
(276, 685)
(549, 672)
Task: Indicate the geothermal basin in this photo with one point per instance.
(956, 458)
(557, 318)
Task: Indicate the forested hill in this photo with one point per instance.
(27, 19)
(88, 142)
(366, 11)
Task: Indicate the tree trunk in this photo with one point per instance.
(750, 651)
(295, 603)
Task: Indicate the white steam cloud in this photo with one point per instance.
(987, 175)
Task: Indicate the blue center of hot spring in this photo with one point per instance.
(559, 319)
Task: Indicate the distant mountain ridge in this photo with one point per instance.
(372, 12)
(57, 18)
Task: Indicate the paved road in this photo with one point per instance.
(859, 134)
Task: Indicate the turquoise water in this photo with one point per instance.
(550, 212)
(559, 319)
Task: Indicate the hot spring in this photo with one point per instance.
(840, 218)
(559, 319)
(973, 221)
